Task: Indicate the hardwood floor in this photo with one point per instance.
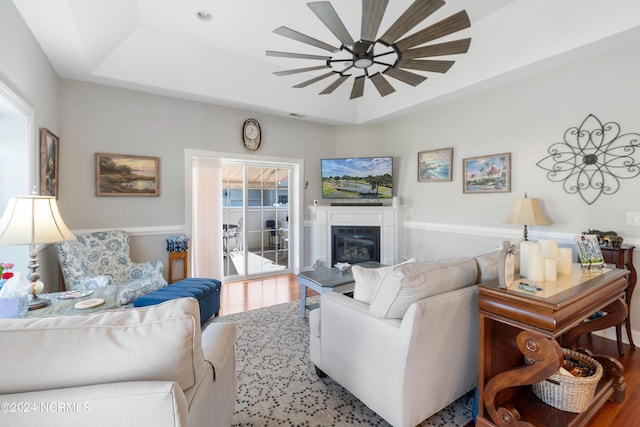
(251, 294)
(246, 295)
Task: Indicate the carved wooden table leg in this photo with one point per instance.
(548, 358)
(616, 314)
(614, 369)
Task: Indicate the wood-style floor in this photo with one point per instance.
(251, 294)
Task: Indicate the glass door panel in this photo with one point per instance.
(262, 201)
(232, 216)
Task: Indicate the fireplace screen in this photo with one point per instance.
(355, 244)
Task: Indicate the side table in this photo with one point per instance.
(515, 324)
(61, 307)
(325, 280)
(175, 257)
(622, 257)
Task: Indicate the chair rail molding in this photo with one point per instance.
(498, 233)
(159, 230)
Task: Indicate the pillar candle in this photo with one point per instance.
(536, 267)
(565, 260)
(550, 270)
(524, 259)
(549, 248)
(526, 249)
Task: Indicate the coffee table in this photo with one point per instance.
(324, 280)
(61, 307)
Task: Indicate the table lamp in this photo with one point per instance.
(33, 220)
(527, 212)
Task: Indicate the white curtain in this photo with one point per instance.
(206, 232)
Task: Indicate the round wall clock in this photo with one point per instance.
(251, 134)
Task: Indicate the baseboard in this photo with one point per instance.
(610, 333)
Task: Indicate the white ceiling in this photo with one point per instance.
(160, 46)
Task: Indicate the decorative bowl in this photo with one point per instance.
(342, 266)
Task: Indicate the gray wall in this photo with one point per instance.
(101, 119)
(26, 71)
(522, 117)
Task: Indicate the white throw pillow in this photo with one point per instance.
(488, 266)
(368, 279)
(405, 284)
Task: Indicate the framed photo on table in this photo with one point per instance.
(487, 174)
(49, 152)
(435, 165)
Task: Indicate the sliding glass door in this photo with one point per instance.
(255, 213)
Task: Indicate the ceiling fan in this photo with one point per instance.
(388, 55)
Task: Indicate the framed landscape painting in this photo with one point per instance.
(487, 174)
(124, 175)
(49, 149)
(435, 165)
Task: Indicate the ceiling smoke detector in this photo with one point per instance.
(203, 15)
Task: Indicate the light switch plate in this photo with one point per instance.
(633, 218)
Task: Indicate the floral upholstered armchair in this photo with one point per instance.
(102, 259)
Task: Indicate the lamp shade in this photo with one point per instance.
(527, 212)
(30, 220)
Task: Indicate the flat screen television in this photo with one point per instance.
(357, 178)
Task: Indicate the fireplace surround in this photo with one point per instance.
(323, 218)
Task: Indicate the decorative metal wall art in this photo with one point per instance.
(592, 159)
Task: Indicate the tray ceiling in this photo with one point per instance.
(162, 47)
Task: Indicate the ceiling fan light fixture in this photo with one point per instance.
(395, 53)
(362, 60)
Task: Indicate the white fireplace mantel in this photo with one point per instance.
(324, 217)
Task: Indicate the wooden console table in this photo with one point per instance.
(515, 323)
(622, 257)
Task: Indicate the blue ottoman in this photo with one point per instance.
(206, 291)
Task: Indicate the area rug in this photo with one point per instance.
(277, 384)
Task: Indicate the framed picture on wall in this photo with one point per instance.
(435, 165)
(487, 174)
(49, 149)
(125, 175)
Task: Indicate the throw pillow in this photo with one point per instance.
(488, 266)
(368, 279)
(405, 284)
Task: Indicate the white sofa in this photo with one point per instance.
(406, 345)
(149, 366)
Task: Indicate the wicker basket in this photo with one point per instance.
(568, 393)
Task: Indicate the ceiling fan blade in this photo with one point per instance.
(333, 86)
(327, 14)
(450, 25)
(315, 79)
(426, 65)
(297, 55)
(449, 48)
(372, 13)
(407, 77)
(415, 14)
(300, 70)
(295, 35)
(382, 84)
(358, 87)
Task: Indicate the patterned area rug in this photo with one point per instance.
(277, 384)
